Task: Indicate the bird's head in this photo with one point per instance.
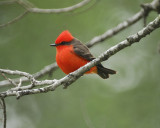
(63, 38)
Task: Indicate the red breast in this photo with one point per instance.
(68, 61)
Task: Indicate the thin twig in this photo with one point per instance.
(20, 83)
(84, 10)
(4, 112)
(59, 10)
(25, 3)
(11, 81)
(14, 20)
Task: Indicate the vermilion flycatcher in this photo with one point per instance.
(72, 54)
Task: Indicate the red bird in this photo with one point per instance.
(72, 54)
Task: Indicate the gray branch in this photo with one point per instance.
(14, 20)
(2, 102)
(72, 77)
(42, 72)
(8, 79)
(20, 73)
(31, 8)
(59, 10)
(28, 76)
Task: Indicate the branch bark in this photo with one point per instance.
(46, 70)
(72, 77)
(59, 10)
(4, 112)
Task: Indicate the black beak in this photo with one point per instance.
(53, 45)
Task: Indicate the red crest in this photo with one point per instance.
(64, 36)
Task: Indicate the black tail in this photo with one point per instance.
(104, 72)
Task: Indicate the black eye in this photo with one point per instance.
(63, 43)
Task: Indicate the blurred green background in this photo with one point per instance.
(129, 99)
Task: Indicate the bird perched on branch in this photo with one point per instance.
(72, 54)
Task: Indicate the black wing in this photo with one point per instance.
(81, 50)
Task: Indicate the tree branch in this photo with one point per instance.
(59, 10)
(9, 80)
(46, 70)
(72, 77)
(14, 20)
(31, 8)
(4, 112)
(28, 76)
(20, 73)
(147, 7)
